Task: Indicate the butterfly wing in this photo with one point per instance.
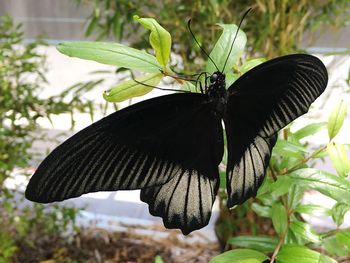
(260, 103)
(143, 145)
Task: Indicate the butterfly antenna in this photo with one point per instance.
(203, 50)
(239, 26)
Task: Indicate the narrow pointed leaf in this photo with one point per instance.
(112, 54)
(130, 88)
(159, 39)
(339, 158)
(310, 129)
(336, 119)
(222, 47)
(239, 256)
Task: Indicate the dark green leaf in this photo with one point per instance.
(112, 54)
(263, 244)
(295, 253)
(239, 256)
(279, 218)
(281, 186)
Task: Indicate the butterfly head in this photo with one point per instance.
(217, 79)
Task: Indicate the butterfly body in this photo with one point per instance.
(170, 146)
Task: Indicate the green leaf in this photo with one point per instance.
(112, 54)
(290, 149)
(344, 238)
(338, 212)
(189, 86)
(239, 256)
(281, 186)
(295, 253)
(251, 63)
(279, 218)
(129, 89)
(334, 247)
(339, 158)
(336, 119)
(310, 129)
(296, 193)
(261, 210)
(158, 259)
(263, 244)
(222, 47)
(328, 184)
(304, 230)
(160, 39)
(312, 210)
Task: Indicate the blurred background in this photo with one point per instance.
(46, 97)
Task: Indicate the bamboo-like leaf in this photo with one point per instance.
(310, 129)
(130, 88)
(336, 119)
(221, 50)
(160, 39)
(112, 54)
(312, 210)
(339, 158)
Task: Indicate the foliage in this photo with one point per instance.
(22, 70)
(289, 176)
(273, 27)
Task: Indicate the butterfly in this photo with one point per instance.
(170, 146)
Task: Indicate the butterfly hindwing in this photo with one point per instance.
(260, 103)
(144, 145)
(184, 202)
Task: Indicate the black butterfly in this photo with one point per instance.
(170, 146)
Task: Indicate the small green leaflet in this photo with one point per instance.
(159, 39)
(129, 89)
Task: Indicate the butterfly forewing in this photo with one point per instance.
(260, 103)
(144, 145)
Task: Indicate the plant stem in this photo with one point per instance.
(278, 247)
